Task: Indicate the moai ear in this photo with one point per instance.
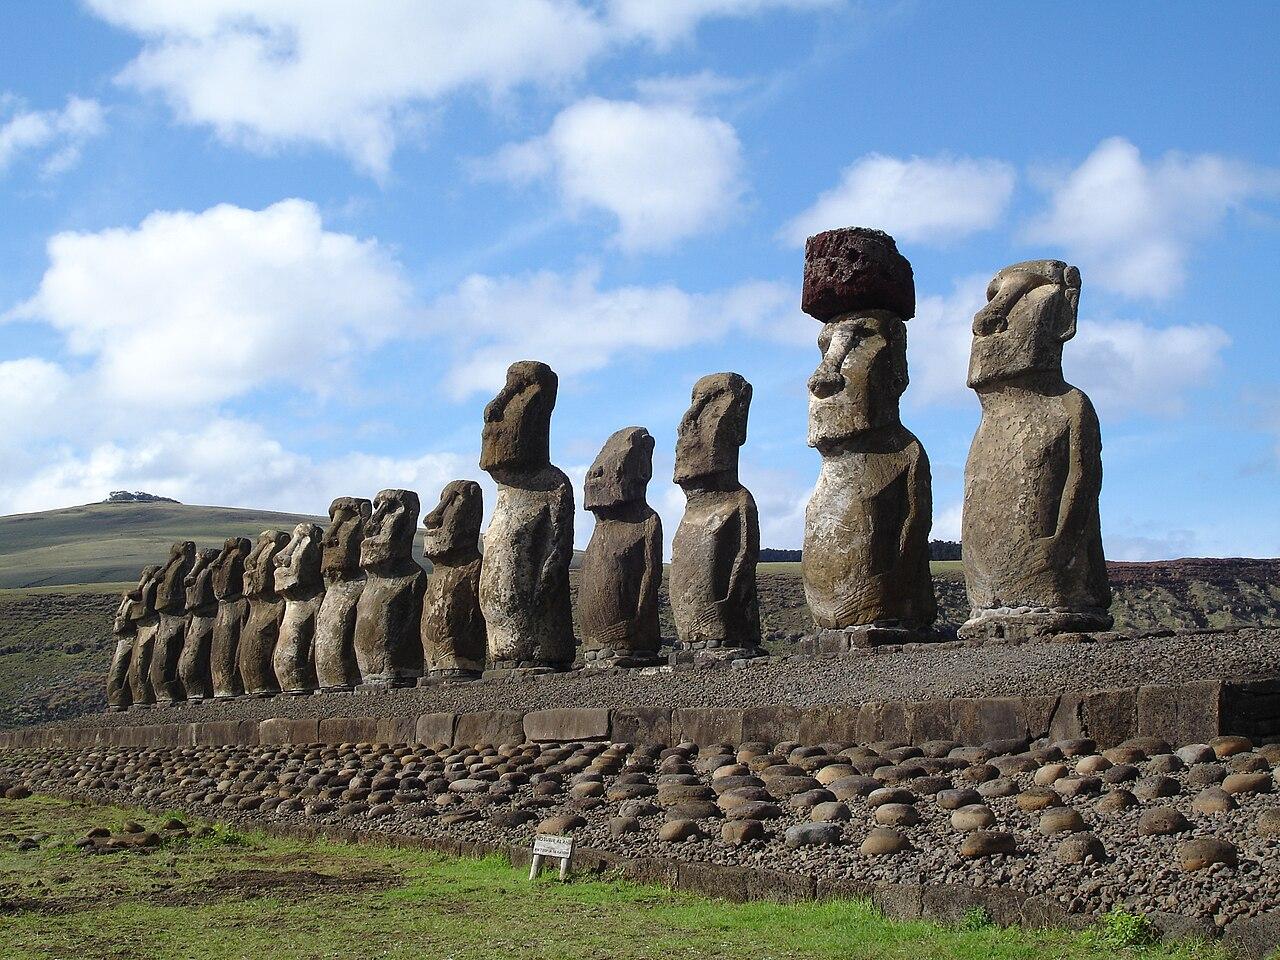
(1071, 306)
(366, 509)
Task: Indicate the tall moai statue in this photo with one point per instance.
(171, 604)
(866, 530)
(717, 545)
(621, 570)
(233, 611)
(388, 645)
(1031, 538)
(202, 614)
(335, 652)
(299, 581)
(261, 630)
(125, 629)
(524, 582)
(454, 642)
(146, 622)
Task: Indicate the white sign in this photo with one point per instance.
(552, 846)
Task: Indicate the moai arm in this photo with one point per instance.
(919, 519)
(560, 550)
(1084, 474)
(744, 562)
(652, 562)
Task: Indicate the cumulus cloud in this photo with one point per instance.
(664, 22)
(663, 170)
(1132, 225)
(920, 200)
(55, 137)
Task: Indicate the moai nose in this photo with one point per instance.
(825, 382)
(990, 319)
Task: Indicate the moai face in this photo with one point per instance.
(1030, 313)
(228, 568)
(713, 428)
(517, 422)
(144, 594)
(199, 589)
(259, 566)
(347, 519)
(454, 525)
(388, 535)
(862, 374)
(622, 471)
(171, 595)
(298, 564)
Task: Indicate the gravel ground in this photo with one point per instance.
(926, 672)
(506, 793)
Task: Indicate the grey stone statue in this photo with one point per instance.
(1031, 537)
(717, 545)
(261, 630)
(298, 580)
(171, 604)
(388, 646)
(146, 622)
(866, 533)
(335, 652)
(524, 582)
(622, 567)
(233, 611)
(202, 614)
(125, 628)
(453, 635)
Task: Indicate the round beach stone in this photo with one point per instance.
(832, 772)
(978, 773)
(1120, 773)
(788, 785)
(1038, 798)
(1161, 822)
(987, 843)
(897, 815)
(853, 787)
(1206, 774)
(809, 799)
(1114, 801)
(1050, 774)
(878, 798)
(1061, 820)
(1229, 746)
(1268, 824)
(1164, 763)
(1154, 788)
(812, 835)
(1080, 846)
(1078, 786)
(693, 810)
(832, 811)
(973, 817)
(754, 810)
(1203, 852)
(677, 831)
(1213, 800)
(1000, 787)
(737, 832)
(564, 823)
(1248, 763)
(1237, 783)
(582, 791)
(883, 841)
(1091, 766)
(1079, 747)
(955, 799)
(1194, 753)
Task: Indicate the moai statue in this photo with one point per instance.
(1031, 538)
(621, 570)
(335, 652)
(453, 635)
(299, 581)
(145, 624)
(171, 604)
(125, 629)
(524, 583)
(866, 530)
(261, 629)
(387, 643)
(202, 615)
(716, 546)
(233, 611)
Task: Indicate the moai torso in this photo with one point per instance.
(233, 611)
(524, 581)
(146, 622)
(622, 566)
(202, 614)
(125, 628)
(454, 641)
(298, 580)
(388, 647)
(261, 630)
(171, 604)
(335, 655)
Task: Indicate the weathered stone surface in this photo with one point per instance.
(202, 611)
(717, 544)
(622, 566)
(566, 724)
(125, 627)
(388, 641)
(146, 622)
(171, 605)
(491, 727)
(261, 628)
(1032, 542)
(299, 581)
(1204, 852)
(856, 268)
(233, 611)
(524, 582)
(454, 642)
(435, 728)
(335, 653)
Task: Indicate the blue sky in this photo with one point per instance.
(270, 253)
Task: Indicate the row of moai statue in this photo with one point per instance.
(333, 609)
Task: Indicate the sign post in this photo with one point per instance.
(553, 847)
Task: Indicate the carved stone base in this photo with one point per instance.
(347, 688)
(141, 706)
(435, 678)
(377, 686)
(297, 693)
(703, 654)
(499, 669)
(608, 659)
(865, 636)
(116, 709)
(1005, 624)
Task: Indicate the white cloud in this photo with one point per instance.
(55, 136)
(1131, 225)
(351, 77)
(214, 304)
(921, 200)
(665, 171)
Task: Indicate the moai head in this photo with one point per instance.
(622, 471)
(712, 430)
(388, 534)
(517, 422)
(144, 594)
(1030, 313)
(198, 583)
(132, 606)
(171, 595)
(260, 566)
(454, 525)
(347, 519)
(298, 564)
(228, 568)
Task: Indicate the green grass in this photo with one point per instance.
(231, 895)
